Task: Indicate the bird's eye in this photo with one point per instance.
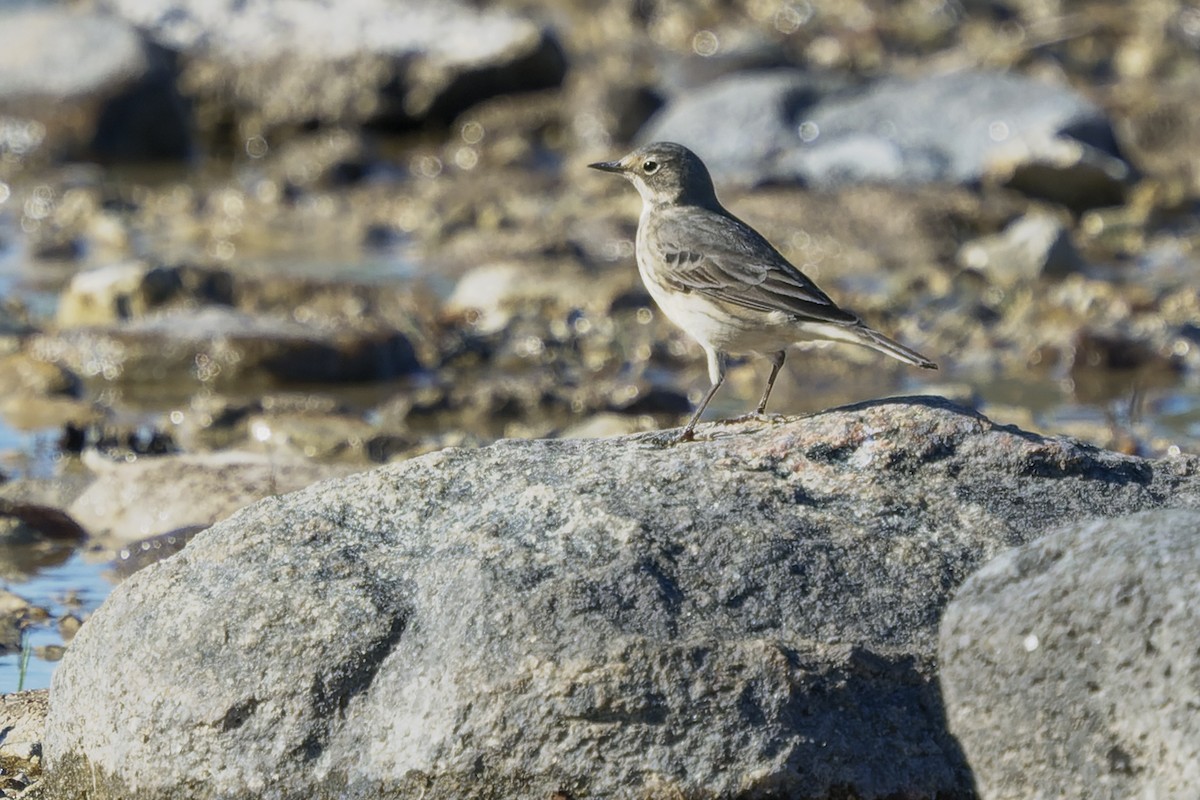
(650, 167)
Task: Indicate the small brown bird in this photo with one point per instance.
(720, 281)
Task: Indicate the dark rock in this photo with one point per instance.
(117, 439)
(264, 65)
(1100, 350)
(751, 615)
(141, 554)
(46, 522)
(86, 84)
(218, 345)
(1069, 664)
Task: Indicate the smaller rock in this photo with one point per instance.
(85, 83)
(50, 652)
(1030, 247)
(12, 604)
(1069, 666)
(132, 501)
(133, 289)
(14, 614)
(42, 522)
(960, 127)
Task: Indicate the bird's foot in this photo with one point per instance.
(664, 439)
(753, 416)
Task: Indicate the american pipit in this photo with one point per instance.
(720, 281)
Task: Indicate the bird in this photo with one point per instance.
(721, 281)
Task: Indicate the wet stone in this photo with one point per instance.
(141, 554)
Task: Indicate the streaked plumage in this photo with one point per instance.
(720, 281)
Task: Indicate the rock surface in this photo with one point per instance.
(751, 615)
(953, 128)
(1069, 665)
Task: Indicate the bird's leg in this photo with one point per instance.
(717, 363)
(776, 365)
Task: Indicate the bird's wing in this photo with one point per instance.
(720, 256)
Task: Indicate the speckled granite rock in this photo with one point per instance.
(751, 615)
(1069, 665)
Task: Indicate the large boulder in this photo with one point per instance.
(750, 615)
(1070, 665)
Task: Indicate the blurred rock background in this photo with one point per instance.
(257, 244)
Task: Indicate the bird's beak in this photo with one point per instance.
(608, 166)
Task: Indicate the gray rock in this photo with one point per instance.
(742, 124)
(752, 615)
(267, 64)
(221, 346)
(1069, 665)
(85, 83)
(1030, 247)
(784, 126)
(129, 502)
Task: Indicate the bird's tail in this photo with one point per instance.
(877, 341)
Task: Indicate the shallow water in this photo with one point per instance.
(77, 586)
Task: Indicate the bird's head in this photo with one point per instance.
(665, 173)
